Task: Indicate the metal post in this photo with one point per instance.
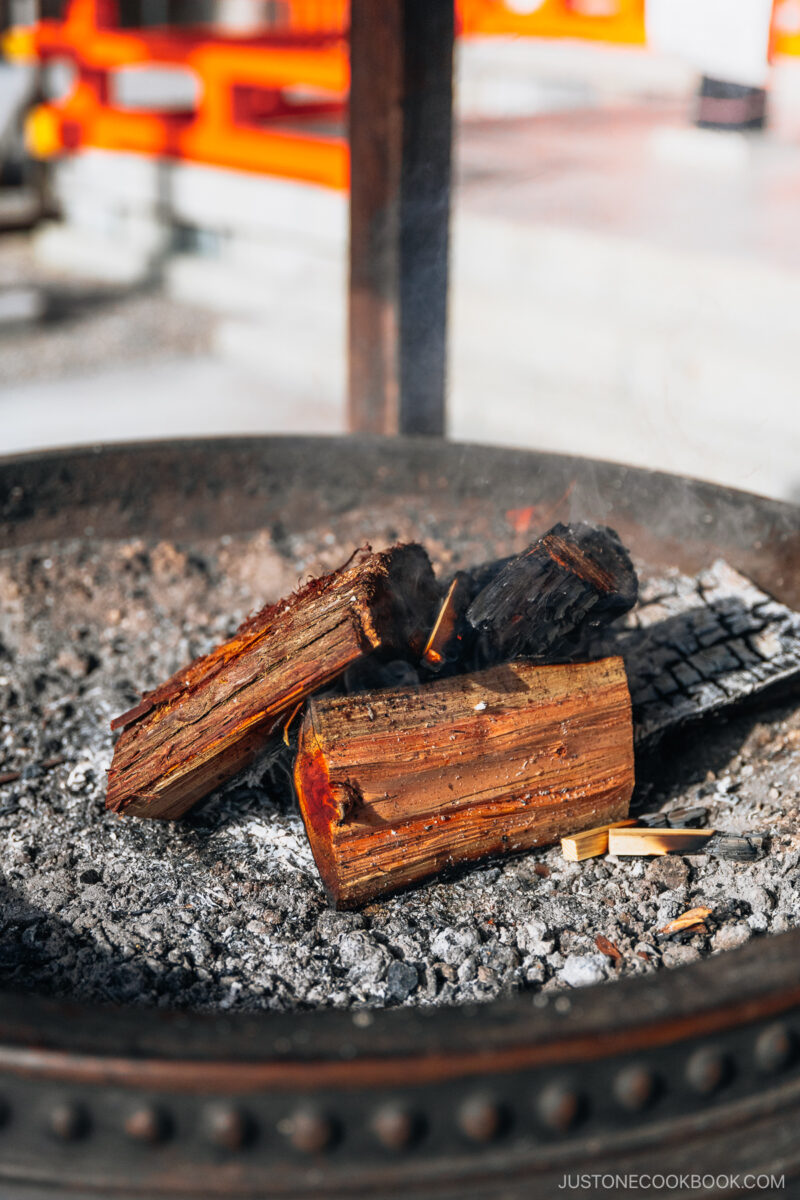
(401, 54)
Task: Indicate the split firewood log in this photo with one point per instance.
(399, 784)
(212, 718)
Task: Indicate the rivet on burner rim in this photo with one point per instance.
(227, 1127)
(635, 1087)
(309, 1130)
(559, 1107)
(707, 1070)
(775, 1047)
(68, 1121)
(147, 1124)
(395, 1126)
(481, 1119)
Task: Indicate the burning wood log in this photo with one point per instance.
(397, 785)
(212, 718)
(538, 605)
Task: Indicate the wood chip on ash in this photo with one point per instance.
(212, 718)
(398, 785)
(589, 843)
(607, 947)
(692, 919)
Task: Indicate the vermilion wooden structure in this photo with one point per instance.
(248, 84)
(619, 21)
(248, 115)
(261, 96)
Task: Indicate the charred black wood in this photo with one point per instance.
(575, 578)
(677, 818)
(735, 847)
(656, 820)
(687, 818)
(698, 646)
(542, 605)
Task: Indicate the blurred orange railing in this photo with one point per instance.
(597, 20)
(264, 98)
(785, 27)
(257, 94)
(621, 21)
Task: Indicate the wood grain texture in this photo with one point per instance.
(573, 578)
(211, 719)
(398, 785)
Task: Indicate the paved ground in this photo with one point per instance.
(622, 286)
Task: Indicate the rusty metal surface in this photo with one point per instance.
(695, 1070)
(401, 115)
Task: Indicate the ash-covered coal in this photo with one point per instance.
(225, 909)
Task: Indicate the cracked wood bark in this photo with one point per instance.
(398, 785)
(212, 718)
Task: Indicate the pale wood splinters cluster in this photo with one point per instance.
(652, 834)
(590, 843)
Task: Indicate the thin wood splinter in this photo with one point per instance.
(625, 842)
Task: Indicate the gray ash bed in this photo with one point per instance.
(224, 910)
